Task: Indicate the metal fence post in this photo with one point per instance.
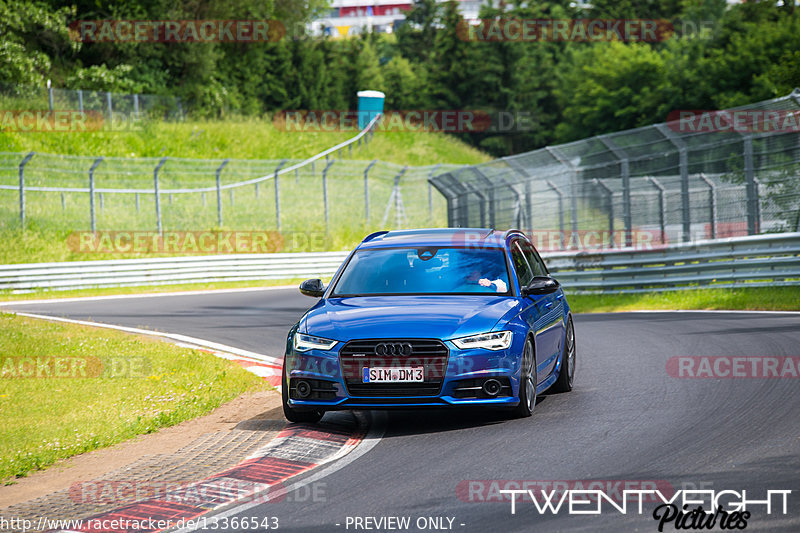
(278, 195)
(50, 97)
(625, 171)
(137, 202)
(573, 190)
(610, 197)
(325, 190)
(399, 208)
(366, 188)
(155, 186)
(752, 189)
(91, 195)
(519, 169)
(683, 164)
(686, 207)
(482, 205)
(80, 100)
(22, 188)
(63, 202)
(758, 204)
(560, 211)
(489, 196)
(627, 216)
(136, 105)
(219, 192)
(662, 218)
(430, 193)
(712, 204)
(110, 111)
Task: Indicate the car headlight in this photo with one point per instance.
(496, 340)
(304, 343)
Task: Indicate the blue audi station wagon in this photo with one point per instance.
(431, 318)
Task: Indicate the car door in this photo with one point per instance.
(531, 309)
(550, 324)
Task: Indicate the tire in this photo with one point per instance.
(291, 414)
(566, 376)
(527, 383)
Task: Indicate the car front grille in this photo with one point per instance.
(429, 353)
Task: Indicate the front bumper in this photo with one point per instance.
(461, 381)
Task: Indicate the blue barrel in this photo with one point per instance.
(370, 104)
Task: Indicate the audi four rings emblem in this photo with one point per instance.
(393, 348)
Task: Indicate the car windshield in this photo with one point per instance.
(424, 271)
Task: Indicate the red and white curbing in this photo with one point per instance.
(261, 478)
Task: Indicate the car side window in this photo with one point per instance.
(521, 266)
(536, 263)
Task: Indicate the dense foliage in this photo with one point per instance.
(719, 56)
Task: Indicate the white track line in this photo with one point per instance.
(184, 339)
(370, 440)
(144, 295)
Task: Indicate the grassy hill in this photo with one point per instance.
(51, 217)
(244, 138)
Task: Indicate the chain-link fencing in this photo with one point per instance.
(116, 109)
(328, 196)
(702, 175)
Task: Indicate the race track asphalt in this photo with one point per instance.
(626, 419)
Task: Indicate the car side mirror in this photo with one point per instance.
(313, 288)
(541, 285)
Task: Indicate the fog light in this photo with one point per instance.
(303, 389)
(491, 387)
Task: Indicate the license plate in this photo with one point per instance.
(403, 374)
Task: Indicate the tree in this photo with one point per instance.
(609, 87)
(31, 36)
(405, 86)
(416, 36)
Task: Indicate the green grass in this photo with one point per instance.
(45, 419)
(51, 216)
(6, 296)
(243, 138)
(747, 298)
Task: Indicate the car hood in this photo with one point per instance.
(370, 317)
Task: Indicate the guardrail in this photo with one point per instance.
(752, 261)
(167, 270)
(759, 260)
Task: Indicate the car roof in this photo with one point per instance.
(441, 237)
